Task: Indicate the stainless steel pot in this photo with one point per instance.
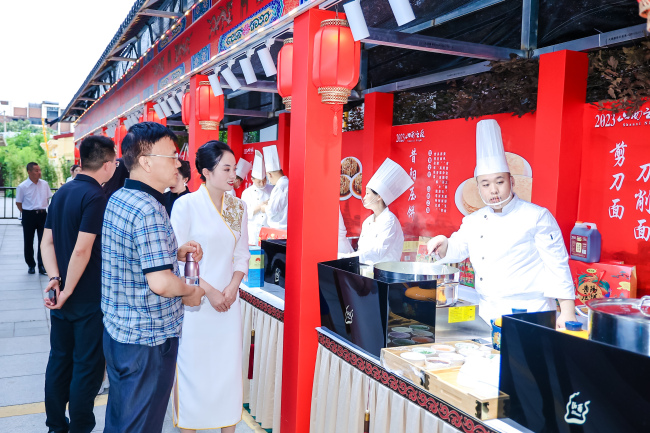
(447, 279)
(621, 322)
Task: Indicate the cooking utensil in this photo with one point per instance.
(621, 322)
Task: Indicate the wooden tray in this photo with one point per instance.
(444, 384)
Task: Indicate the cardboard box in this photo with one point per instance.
(602, 280)
(466, 273)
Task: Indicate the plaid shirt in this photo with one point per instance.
(137, 238)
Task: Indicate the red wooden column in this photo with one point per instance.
(312, 237)
(561, 98)
(284, 129)
(377, 124)
(236, 140)
(120, 133)
(197, 136)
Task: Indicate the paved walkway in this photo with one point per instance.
(24, 345)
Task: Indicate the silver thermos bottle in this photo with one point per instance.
(191, 270)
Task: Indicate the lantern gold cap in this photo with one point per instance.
(287, 103)
(335, 22)
(209, 125)
(334, 94)
(204, 83)
(288, 41)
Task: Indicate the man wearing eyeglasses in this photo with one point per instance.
(142, 294)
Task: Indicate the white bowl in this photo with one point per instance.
(437, 363)
(440, 348)
(455, 358)
(427, 351)
(415, 358)
(461, 346)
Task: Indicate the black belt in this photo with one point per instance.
(36, 211)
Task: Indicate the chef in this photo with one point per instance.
(255, 196)
(516, 247)
(382, 239)
(278, 205)
(241, 171)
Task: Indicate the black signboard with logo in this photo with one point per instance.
(559, 383)
(370, 313)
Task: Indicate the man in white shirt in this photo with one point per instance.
(256, 196)
(32, 199)
(278, 206)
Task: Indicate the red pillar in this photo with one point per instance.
(561, 98)
(236, 140)
(312, 224)
(377, 124)
(284, 135)
(197, 136)
(120, 132)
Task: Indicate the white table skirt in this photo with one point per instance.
(347, 381)
(263, 392)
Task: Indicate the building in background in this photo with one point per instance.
(34, 112)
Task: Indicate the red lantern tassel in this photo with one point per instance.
(251, 356)
(366, 423)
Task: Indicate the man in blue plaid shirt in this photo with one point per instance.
(142, 294)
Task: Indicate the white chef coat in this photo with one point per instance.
(33, 196)
(381, 239)
(278, 207)
(344, 243)
(254, 196)
(518, 255)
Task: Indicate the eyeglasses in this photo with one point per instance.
(174, 156)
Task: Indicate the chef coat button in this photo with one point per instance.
(482, 258)
(485, 216)
(481, 236)
(481, 278)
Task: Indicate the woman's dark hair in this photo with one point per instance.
(140, 140)
(185, 170)
(209, 155)
(73, 168)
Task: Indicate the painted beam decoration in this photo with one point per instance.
(262, 17)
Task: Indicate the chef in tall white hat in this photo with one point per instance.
(241, 171)
(256, 196)
(278, 205)
(516, 247)
(382, 239)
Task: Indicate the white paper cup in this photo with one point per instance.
(415, 358)
(441, 348)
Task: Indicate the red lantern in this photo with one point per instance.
(209, 108)
(76, 155)
(141, 119)
(150, 115)
(336, 61)
(644, 10)
(285, 66)
(185, 109)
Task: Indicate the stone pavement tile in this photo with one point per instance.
(22, 345)
(44, 330)
(34, 423)
(23, 315)
(10, 284)
(21, 304)
(6, 295)
(6, 330)
(31, 325)
(23, 365)
(24, 389)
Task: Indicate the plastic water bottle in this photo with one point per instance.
(191, 270)
(585, 242)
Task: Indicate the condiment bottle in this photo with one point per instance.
(191, 270)
(575, 329)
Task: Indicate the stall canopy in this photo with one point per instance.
(394, 58)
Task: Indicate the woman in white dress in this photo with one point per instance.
(208, 391)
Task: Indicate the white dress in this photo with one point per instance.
(518, 255)
(381, 240)
(278, 208)
(254, 196)
(209, 381)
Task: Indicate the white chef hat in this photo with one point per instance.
(258, 166)
(243, 167)
(390, 181)
(490, 156)
(271, 158)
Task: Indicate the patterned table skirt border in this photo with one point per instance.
(434, 405)
(263, 306)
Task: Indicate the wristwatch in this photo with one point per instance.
(56, 278)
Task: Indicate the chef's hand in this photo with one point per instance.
(263, 207)
(438, 245)
(193, 298)
(567, 313)
(190, 247)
